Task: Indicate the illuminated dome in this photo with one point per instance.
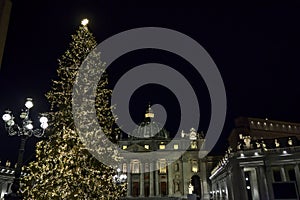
(149, 128)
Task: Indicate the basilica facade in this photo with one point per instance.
(176, 170)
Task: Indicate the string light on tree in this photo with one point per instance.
(64, 168)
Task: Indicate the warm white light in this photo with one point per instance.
(284, 152)
(44, 125)
(123, 177)
(43, 119)
(115, 178)
(23, 115)
(176, 146)
(6, 117)
(29, 103)
(248, 187)
(29, 126)
(10, 123)
(84, 22)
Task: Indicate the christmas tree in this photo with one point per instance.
(64, 167)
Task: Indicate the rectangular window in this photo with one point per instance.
(124, 167)
(194, 166)
(277, 175)
(162, 146)
(162, 166)
(146, 146)
(176, 146)
(292, 175)
(147, 169)
(135, 167)
(124, 147)
(194, 144)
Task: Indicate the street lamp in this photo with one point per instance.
(25, 131)
(119, 178)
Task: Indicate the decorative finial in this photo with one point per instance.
(84, 22)
(149, 113)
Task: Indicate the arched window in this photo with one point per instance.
(135, 167)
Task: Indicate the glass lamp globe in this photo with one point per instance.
(6, 117)
(43, 119)
(123, 177)
(29, 103)
(115, 178)
(29, 126)
(44, 125)
(10, 123)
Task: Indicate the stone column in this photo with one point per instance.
(204, 189)
(142, 175)
(269, 177)
(282, 172)
(297, 173)
(262, 183)
(156, 183)
(229, 185)
(238, 181)
(151, 188)
(170, 178)
(129, 186)
(185, 178)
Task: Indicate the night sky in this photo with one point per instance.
(255, 47)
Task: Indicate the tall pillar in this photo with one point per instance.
(151, 193)
(282, 172)
(204, 189)
(170, 179)
(238, 182)
(297, 173)
(229, 185)
(129, 186)
(142, 190)
(262, 183)
(185, 178)
(5, 8)
(269, 177)
(156, 182)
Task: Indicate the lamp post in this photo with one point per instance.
(24, 131)
(119, 178)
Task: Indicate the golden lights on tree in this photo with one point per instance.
(64, 168)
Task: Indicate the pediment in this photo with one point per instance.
(136, 148)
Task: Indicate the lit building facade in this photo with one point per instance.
(262, 162)
(179, 173)
(6, 179)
